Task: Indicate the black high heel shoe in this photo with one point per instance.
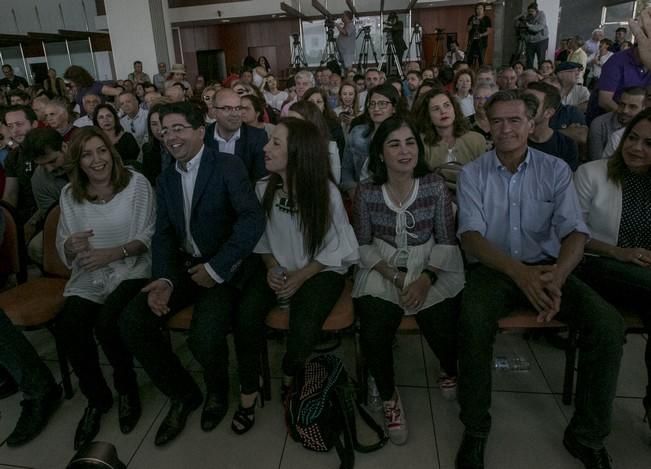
(244, 417)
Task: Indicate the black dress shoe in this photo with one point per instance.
(214, 410)
(590, 457)
(174, 421)
(34, 417)
(88, 426)
(471, 453)
(129, 411)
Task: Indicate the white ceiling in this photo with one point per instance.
(336, 7)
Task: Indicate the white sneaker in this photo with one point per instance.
(395, 421)
(448, 386)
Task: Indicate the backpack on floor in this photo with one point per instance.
(320, 411)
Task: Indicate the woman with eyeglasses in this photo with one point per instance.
(383, 102)
(307, 247)
(480, 95)
(126, 145)
(410, 263)
(104, 234)
(615, 197)
(445, 131)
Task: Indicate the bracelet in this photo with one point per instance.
(395, 277)
(125, 253)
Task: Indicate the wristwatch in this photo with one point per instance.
(125, 253)
(432, 276)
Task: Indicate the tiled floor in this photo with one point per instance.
(528, 417)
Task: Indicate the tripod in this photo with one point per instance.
(298, 57)
(417, 39)
(391, 57)
(330, 52)
(363, 52)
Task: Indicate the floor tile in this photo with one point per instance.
(418, 452)
(54, 447)
(220, 448)
(527, 432)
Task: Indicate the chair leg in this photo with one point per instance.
(63, 363)
(570, 364)
(266, 371)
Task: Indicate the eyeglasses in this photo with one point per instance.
(207, 98)
(378, 104)
(229, 109)
(175, 129)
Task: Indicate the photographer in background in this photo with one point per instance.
(479, 26)
(346, 39)
(533, 27)
(396, 28)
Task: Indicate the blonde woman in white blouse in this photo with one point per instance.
(308, 244)
(107, 220)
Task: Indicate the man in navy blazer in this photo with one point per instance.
(208, 222)
(228, 135)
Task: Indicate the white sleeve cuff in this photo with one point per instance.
(213, 274)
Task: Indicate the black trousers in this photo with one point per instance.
(80, 322)
(490, 295)
(309, 308)
(379, 321)
(538, 50)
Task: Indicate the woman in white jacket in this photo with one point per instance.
(615, 197)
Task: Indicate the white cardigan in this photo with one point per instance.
(600, 199)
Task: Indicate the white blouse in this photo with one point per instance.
(129, 216)
(284, 240)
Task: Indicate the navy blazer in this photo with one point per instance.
(249, 148)
(226, 219)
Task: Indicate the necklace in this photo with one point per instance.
(398, 199)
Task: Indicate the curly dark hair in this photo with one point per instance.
(431, 136)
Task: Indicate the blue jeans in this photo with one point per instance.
(490, 295)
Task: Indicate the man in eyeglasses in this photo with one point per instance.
(208, 221)
(228, 135)
(134, 119)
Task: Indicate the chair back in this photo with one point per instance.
(52, 265)
(9, 255)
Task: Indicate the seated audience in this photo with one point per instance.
(84, 84)
(253, 113)
(543, 137)
(208, 222)
(58, 116)
(134, 118)
(91, 101)
(445, 131)
(462, 89)
(480, 95)
(272, 95)
(410, 263)
(572, 92)
(524, 256)
(156, 158)
(319, 97)
(228, 135)
(307, 246)
(348, 108)
(307, 110)
(614, 196)
(104, 233)
(106, 119)
(383, 102)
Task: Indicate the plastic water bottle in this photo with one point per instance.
(374, 399)
(511, 363)
(283, 302)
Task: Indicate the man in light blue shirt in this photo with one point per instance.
(521, 227)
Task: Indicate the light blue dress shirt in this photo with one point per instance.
(525, 214)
